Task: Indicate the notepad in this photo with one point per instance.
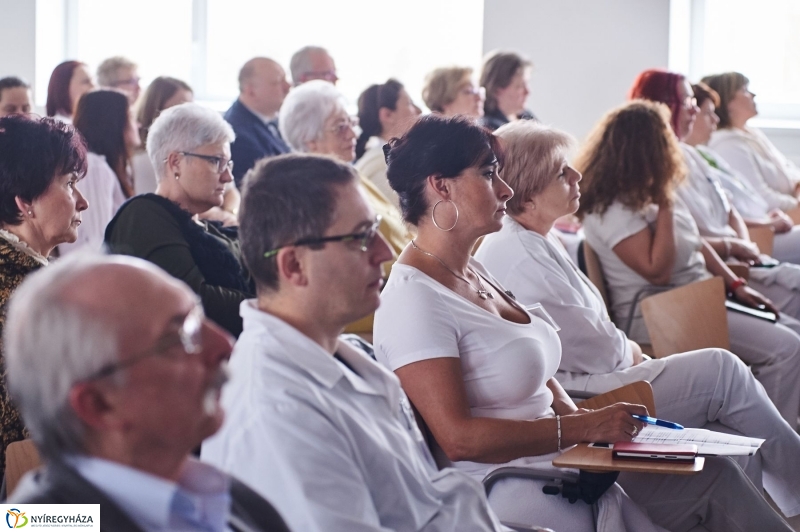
(709, 442)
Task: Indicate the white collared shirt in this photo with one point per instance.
(199, 501)
(333, 450)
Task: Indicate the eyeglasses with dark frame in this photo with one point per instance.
(213, 159)
(189, 337)
(365, 239)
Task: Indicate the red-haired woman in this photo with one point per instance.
(69, 81)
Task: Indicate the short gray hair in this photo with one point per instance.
(108, 71)
(305, 110)
(184, 127)
(531, 158)
(300, 63)
(52, 343)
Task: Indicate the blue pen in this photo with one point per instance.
(660, 422)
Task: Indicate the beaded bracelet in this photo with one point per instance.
(558, 422)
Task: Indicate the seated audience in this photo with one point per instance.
(527, 257)
(312, 62)
(314, 424)
(262, 89)
(106, 123)
(753, 208)
(162, 93)
(122, 74)
(69, 81)
(480, 369)
(646, 238)
(15, 97)
(189, 147)
(314, 119)
(504, 77)
(718, 222)
(127, 382)
(385, 111)
(747, 149)
(450, 91)
(41, 160)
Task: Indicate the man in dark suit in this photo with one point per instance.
(262, 88)
(117, 374)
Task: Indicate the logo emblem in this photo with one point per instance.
(20, 520)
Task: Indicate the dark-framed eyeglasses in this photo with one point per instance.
(220, 164)
(364, 239)
(188, 337)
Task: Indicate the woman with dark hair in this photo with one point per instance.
(384, 112)
(105, 120)
(747, 149)
(479, 367)
(162, 93)
(504, 77)
(69, 81)
(41, 162)
(754, 209)
(646, 237)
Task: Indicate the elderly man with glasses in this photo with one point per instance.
(117, 374)
(313, 62)
(122, 74)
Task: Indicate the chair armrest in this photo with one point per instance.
(529, 474)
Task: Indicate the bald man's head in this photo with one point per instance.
(263, 86)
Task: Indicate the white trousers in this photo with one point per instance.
(787, 246)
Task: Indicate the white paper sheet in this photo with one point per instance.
(708, 442)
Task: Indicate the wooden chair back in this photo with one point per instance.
(764, 237)
(594, 271)
(21, 457)
(639, 393)
(687, 318)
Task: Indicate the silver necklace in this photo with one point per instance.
(482, 292)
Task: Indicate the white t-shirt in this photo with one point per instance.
(505, 365)
(747, 200)
(372, 165)
(144, 176)
(103, 192)
(604, 232)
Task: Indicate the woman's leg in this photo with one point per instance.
(772, 350)
(713, 386)
(787, 246)
(720, 498)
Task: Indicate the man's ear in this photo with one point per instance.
(89, 402)
(290, 266)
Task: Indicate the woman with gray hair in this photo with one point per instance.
(189, 147)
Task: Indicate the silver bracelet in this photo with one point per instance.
(558, 422)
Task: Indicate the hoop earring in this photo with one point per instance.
(433, 215)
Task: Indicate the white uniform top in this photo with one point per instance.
(747, 200)
(751, 154)
(703, 195)
(619, 222)
(505, 365)
(103, 192)
(333, 449)
(538, 269)
(372, 165)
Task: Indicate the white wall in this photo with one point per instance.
(586, 53)
(18, 39)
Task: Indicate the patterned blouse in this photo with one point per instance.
(16, 262)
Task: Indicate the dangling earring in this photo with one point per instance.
(433, 215)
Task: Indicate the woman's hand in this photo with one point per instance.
(609, 424)
(752, 298)
(780, 221)
(744, 250)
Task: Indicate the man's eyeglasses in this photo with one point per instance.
(341, 128)
(363, 238)
(189, 338)
(326, 75)
(130, 81)
(220, 164)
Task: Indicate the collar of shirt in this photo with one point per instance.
(201, 497)
(264, 118)
(308, 356)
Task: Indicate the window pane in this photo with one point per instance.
(155, 34)
(758, 39)
(370, 40)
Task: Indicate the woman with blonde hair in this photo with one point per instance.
(646, 238)
(450, 91)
